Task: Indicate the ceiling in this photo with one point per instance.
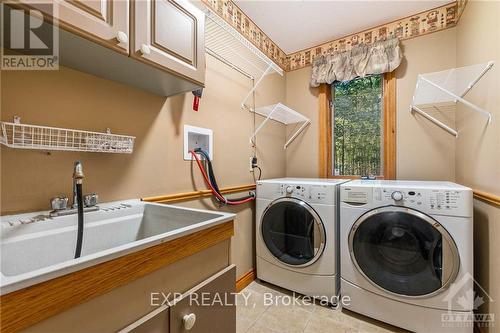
(298, 24)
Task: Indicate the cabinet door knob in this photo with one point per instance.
(145, 50)
(122, 37)
(189, 321)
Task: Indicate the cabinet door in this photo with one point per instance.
(212, 303)
(170, 35)
(103, 21)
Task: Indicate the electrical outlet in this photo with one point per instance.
(251, 164)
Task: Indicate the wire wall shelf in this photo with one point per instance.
(23, 136)
(229, 46)
(283, 114)
(440, 89)
(226, 44)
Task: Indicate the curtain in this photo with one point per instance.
(377, 58)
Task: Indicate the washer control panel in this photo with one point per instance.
(322, 194)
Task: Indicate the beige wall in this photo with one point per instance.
(423, 151)
(68, 98)
(302, 154)
(478, 146)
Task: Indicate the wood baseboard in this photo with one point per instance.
(245, 280)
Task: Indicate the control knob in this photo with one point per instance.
(397, 196)
(289, 189)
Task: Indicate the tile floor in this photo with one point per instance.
(255, 315)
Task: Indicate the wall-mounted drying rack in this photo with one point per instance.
(226, 44)
(23, 136)
(284, 115)
(445, 87)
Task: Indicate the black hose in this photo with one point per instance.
(211, 176)
(79, 236)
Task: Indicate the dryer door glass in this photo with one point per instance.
(402, 251)
(293, 232)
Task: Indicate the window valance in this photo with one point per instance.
(377, 58)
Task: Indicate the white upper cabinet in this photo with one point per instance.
(105, 22)
(170, 34)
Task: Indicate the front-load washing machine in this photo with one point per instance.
(297, 235)
(406, 253)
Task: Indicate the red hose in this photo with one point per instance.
(214, 192)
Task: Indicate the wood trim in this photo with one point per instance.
(487, 197)
(390, 125)
(25, 307)
(245, 280)
(325, 132)
(169, 198)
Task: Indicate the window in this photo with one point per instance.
(358, 127)
(357, 121)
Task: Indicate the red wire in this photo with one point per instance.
(214, 192)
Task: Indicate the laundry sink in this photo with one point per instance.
(36, 248)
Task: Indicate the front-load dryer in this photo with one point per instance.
(406, 253)
(297, 235)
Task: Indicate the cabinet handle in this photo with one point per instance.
(122, 37)
(145, 50)
(189, 321)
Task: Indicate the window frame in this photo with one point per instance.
(389, 132)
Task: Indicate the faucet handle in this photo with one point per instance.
(59, 203)
(90, 200)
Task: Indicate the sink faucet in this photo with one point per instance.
(60, 204)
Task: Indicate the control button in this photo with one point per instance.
(411, 193)
(289, 189)
(397, 195)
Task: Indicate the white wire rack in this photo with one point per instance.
(226, 44)
(445, 87)
(283, 114)
(23, 136)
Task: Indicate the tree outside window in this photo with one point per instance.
(357, 130)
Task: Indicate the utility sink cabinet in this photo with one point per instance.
(199, 310)
(140, 264)
(156, 45)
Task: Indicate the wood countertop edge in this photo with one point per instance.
(28, 306)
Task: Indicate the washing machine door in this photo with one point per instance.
(404, 252)
(293, 232)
